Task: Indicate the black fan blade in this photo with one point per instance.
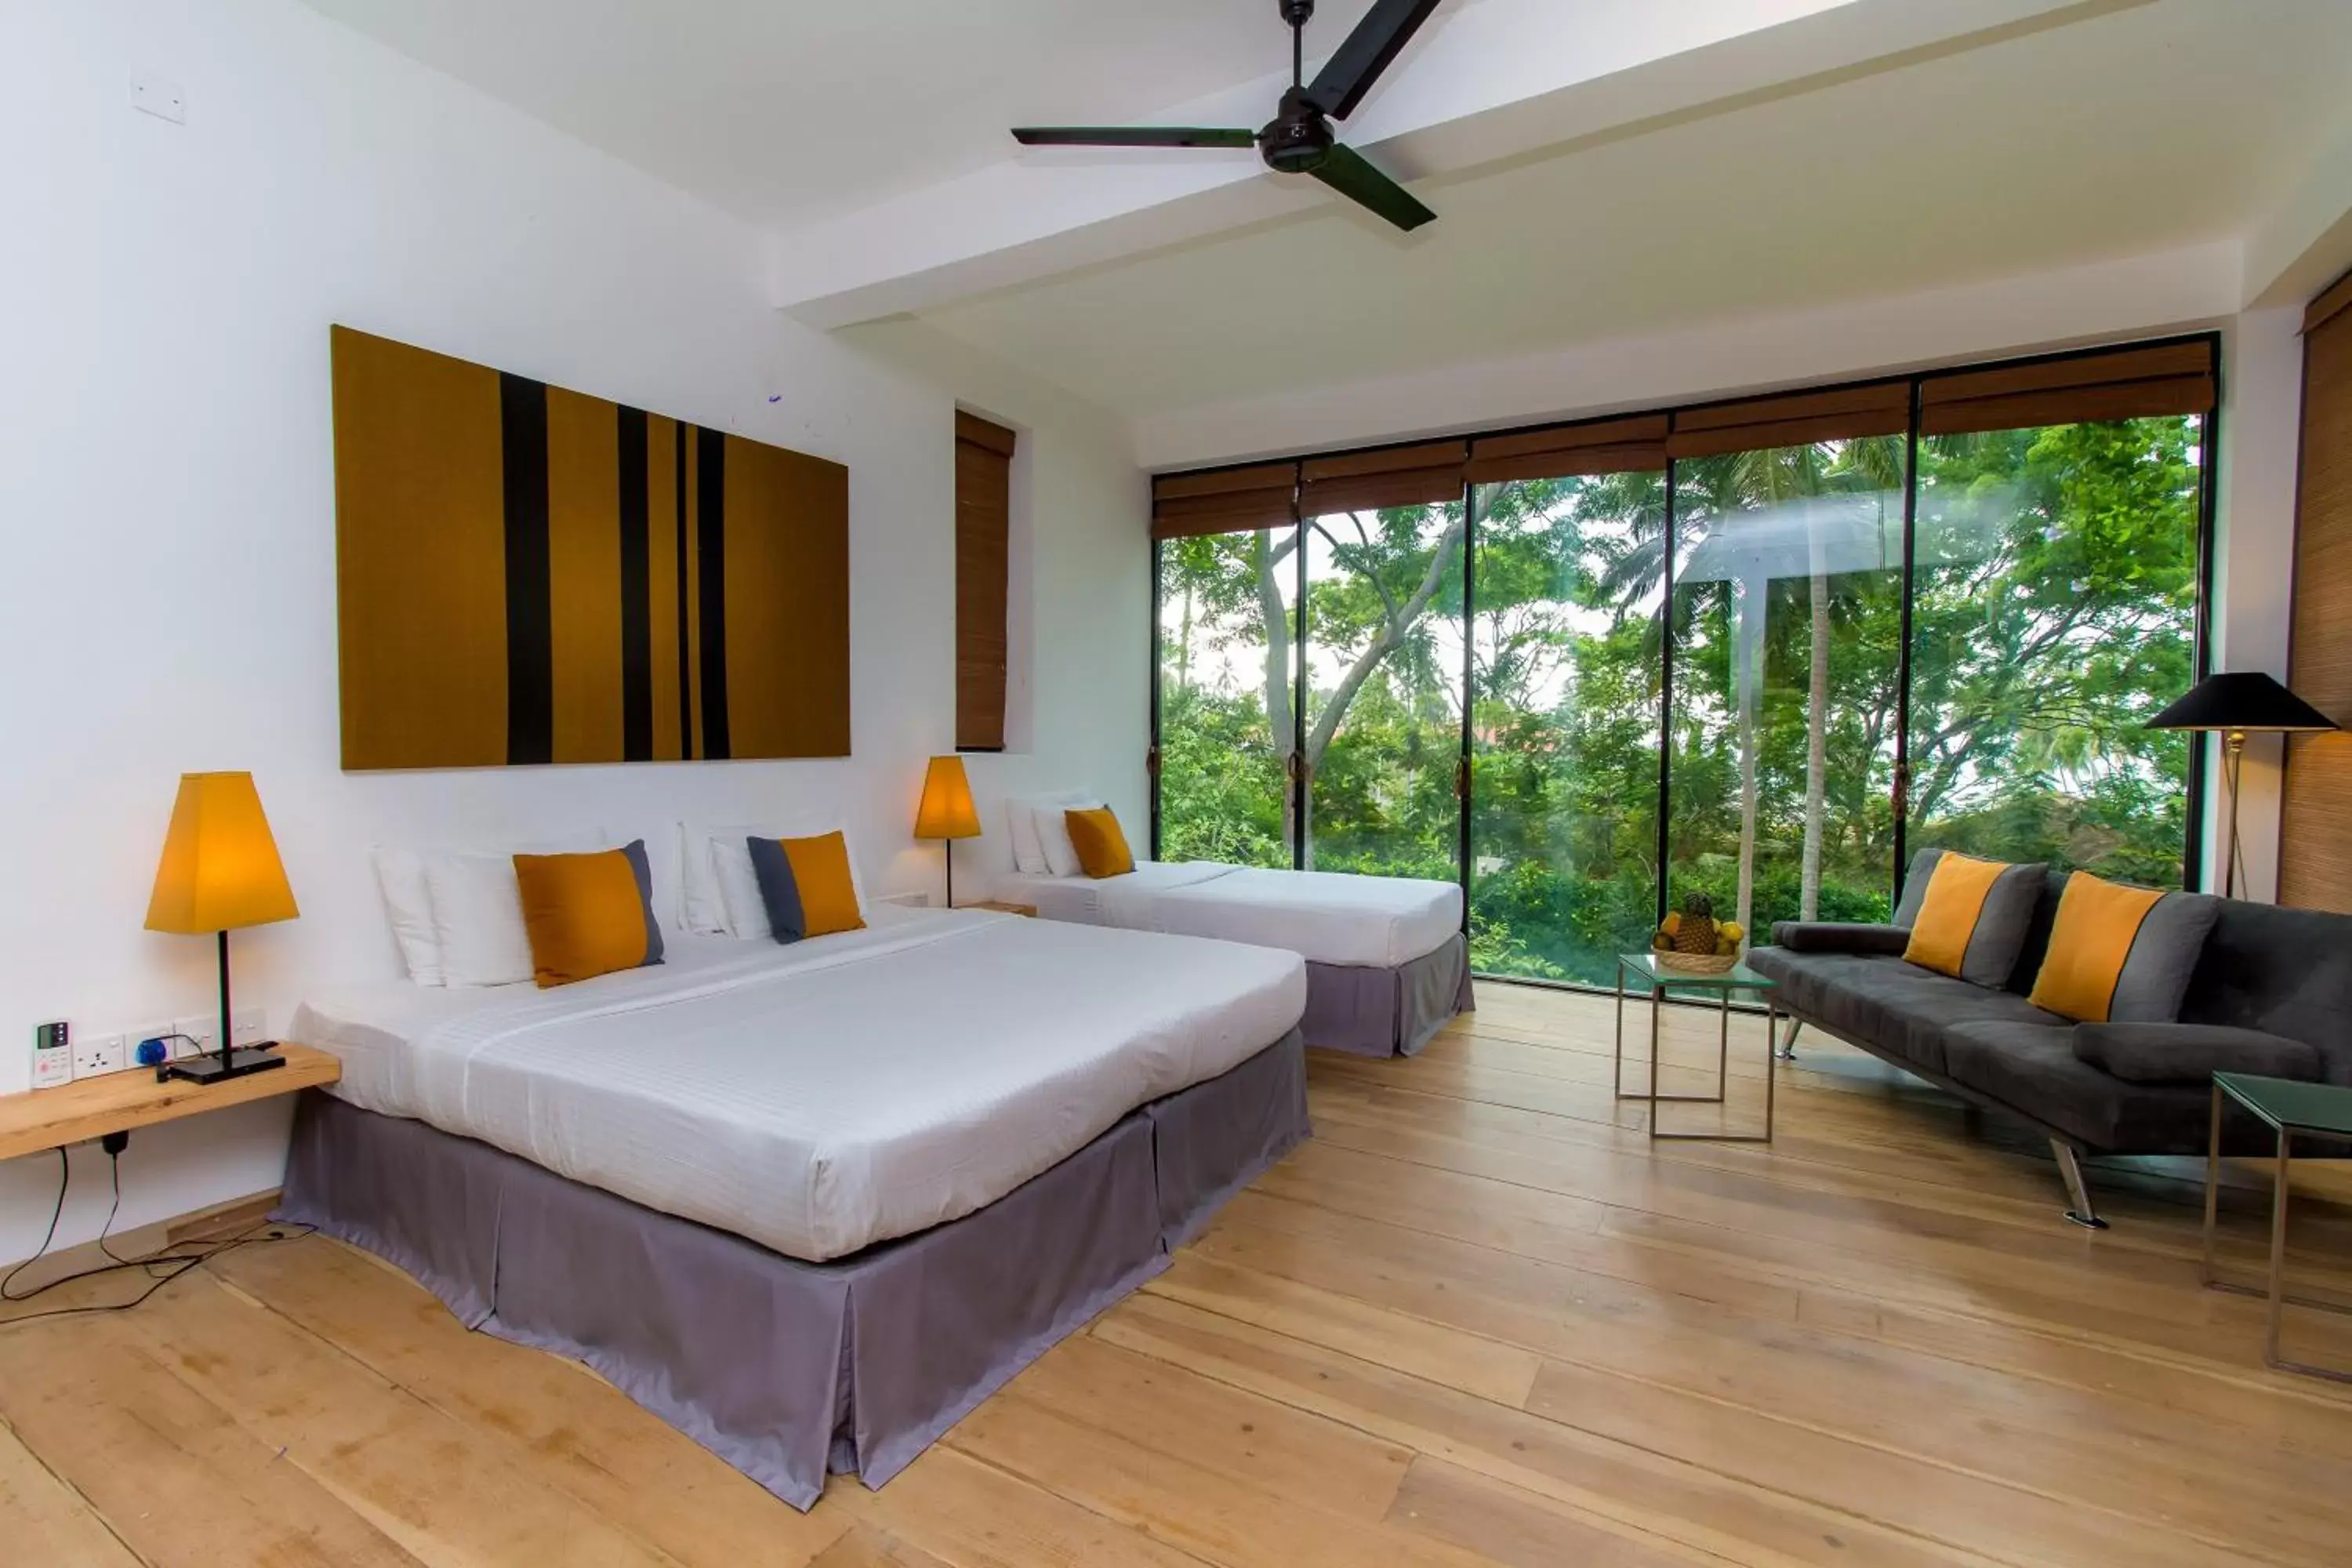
(1346, 172)
(1132, 136)
(1346, 76)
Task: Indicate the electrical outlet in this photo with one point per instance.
(158, 1030)
(96, 1054)
(249, 1026)
(202, 1027)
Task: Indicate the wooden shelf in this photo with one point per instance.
(1002, 908)
(122, 1101)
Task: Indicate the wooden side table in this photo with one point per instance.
(1002, 908)
(125, 1101)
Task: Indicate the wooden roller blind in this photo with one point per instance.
(1400, 476)
(1797, 419)
(1230, 501)
(984, 524)
(2173, 378)
(2315, 835)
(1559, 451)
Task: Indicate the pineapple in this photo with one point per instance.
(1695, 932)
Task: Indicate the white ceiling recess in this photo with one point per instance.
(1603, 170)
(2140, 130)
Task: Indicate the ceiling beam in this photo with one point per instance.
(1484, 83)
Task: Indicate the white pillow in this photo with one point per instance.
(1023, 812)
(408, 902)
(1053, 835)
(477, 919)
(720, 885)
(401, 874)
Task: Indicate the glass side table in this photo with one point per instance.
(1645, 968)
(2288, 1107)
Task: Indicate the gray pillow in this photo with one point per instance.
(2191, 1053)
(2003, 921)
(1915, 888)
(2163, 957)
(1833, 936)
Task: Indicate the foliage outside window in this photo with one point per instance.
(2053, 601)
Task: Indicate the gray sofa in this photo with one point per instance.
(2271, 992)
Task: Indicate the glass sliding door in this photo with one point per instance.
(1228, 608)
(2055, 612)
(1565, 671)
(1786, 646)
(1383, 730)
(1769, 647)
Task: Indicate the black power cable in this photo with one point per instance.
(161, 1267)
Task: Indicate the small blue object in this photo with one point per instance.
(775, 398)
(151, 1053)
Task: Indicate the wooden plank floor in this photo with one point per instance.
(1478, 1320)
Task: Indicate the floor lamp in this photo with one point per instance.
(2235, 706)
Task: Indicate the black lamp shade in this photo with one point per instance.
(2247, 699)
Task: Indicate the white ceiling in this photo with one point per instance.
(2134, 131)
(1811, 156)
(788, 111)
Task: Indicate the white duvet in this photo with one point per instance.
(1325, 917)
(820, 1097)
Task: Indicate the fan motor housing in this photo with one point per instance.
(1298, 139)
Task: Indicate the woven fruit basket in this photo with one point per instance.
(1691, 941)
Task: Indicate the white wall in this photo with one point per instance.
(166, 484)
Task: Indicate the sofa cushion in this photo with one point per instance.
(2191, 1053)
(1837, 936)
(2122, 954)
(1880, 1002)
(2283, 970)
(2033, 1069)
(1972, 921)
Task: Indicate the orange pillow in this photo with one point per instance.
(2098, 923)
(587, 914)
(807, 885)
(1102, 848)
(1956, 890)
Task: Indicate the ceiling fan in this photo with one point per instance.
(1298, 140)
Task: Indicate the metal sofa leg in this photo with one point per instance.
(2078, 1191)
(1787, 1048)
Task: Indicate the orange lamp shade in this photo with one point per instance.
(946, 811)
(220, 869)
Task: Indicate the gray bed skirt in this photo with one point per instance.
(788, 1370)
(1387, 1012)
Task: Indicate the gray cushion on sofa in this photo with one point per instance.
(2163, 957)
(2035, 1069)
(1832, 936)
(1900, 1008)
(2191, 1053)
(1915, 886)
(2002, 923)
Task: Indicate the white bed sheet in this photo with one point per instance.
(827, 1095)
(1325, 917)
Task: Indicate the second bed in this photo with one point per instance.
(1386, 963)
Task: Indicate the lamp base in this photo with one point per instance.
(241, 1063)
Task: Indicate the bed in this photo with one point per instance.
(1387, 964)
(808, 1204)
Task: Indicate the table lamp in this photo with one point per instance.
(220, 871)
(2237, 705)
(946, 811)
